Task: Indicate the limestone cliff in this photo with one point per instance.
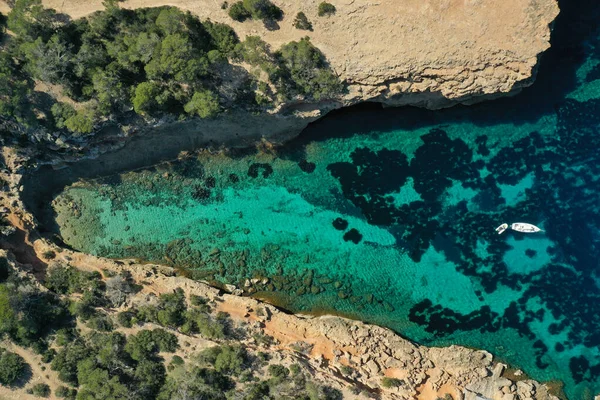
(429, 53)
(432, 53)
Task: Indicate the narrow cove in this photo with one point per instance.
(388, 216)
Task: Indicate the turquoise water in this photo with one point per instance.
(388, 216)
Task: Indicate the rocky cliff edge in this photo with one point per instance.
(429, 53)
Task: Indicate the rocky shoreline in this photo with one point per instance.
(342, 352)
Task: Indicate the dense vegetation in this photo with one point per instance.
(149, 62)
(102, 363)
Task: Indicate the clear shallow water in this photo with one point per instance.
(389, 216)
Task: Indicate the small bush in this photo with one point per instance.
(224, 5)
(326, 9)
(107, 273)
(302, 22)
(100, 323)
(145, 344)
(176, 360)
(204, 103)
(64, 392)
(263, 10)
(226, 359)
(391, 382)
(41, 390)
(124, 319)
(12, 367)
(346, 370)
(295, 369)
(48, 356)
(198, 300)
(166, 341)
(49, 255)
(64, 337)
(238, 12)
(278, 373)
(262, 339)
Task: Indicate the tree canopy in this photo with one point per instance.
(153, 62)
(12, 367)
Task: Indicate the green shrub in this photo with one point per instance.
(67, 280)
(147, 313)
(177, 361)
(12, 367)
(145, 344)
(195, 383)
(391, 382)
(346, 370)
(226, 359)
(278, 373)
(48, 356)
(326, 9)
(305, 71)
(124, 319)
(295, 369)
(107, 273)
(83, 309)
(82, 122)
(204, 103)
(171, 308)
(144, 98)
(263, 9)
(65, 362)
(61, 112)
(41, 390)
(238, 12)
(49, 255)
(100, 323)
(223, 36)
(166, 341)
(302, 22)
(63, 280)
(257, 53)
(198, 321)
(64, 392)
(44, 310)
(198, 300)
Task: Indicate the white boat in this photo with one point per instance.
(501, 229)
(525, 227)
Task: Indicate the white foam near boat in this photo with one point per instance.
(525, 227)
(501, 229)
